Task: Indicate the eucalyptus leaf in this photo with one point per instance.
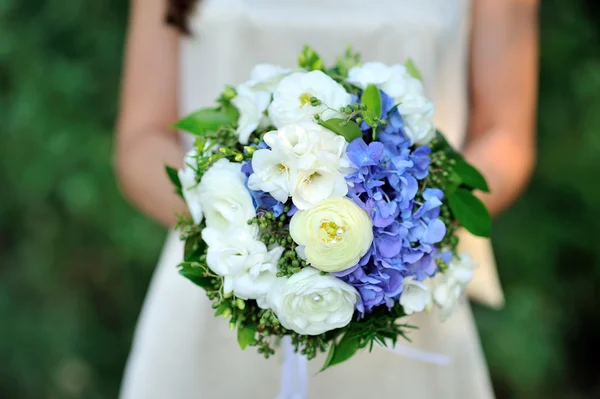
(412, 69)
(470, 212)
(347, 129)
(372, 99)
(204, 120)
(470, 176)
(245, 335)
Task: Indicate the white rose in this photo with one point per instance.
(416, 110)
(449, 286)
(368, 73)
(291, 98)
(336, 233)
(265, 77)
(224, 196)
(415, 297)
(256, 281)
(251, 105)
(189, 186)
(310, 303)
(275, 172)
(249, 270)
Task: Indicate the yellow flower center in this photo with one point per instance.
(282, 168)
(304, 99)
(333, 232)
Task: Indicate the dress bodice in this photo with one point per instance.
(231, 36)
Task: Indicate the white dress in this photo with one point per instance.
(180, 350)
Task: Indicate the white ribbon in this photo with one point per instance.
(294, 369)
(294, 373)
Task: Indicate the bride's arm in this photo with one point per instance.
(504, 91)
(144, 143)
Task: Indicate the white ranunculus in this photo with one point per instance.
(251, 105)
(310, 303)
(416, 296)
(368, 73)
(224, 197)
(275, 172)
(448, 287)
(249, 270)
(189, 186)
(291, 98)
(336, 233)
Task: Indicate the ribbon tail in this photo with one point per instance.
(294, 373)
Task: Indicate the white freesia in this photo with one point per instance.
(416, 296)
(321, 181)
(416, 110)
(248, 268)
(189, 186)
(251, 105)
(224, 197)
(275, 172)
(291, 98)
(304, 161)
(448, 287)
(336, 233)
(310, 303)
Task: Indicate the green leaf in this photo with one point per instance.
(412, 69)
(343, 351)
(347, 129)
(194, 248)
(204, 120)
(196, 273)
(470, 176)
(372, 99)
(231, 112)
(173, 176)
(470, 212)
(330, 355)
(246, 335)
(454, 182)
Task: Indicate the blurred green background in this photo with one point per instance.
(75, 259)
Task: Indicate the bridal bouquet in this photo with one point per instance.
(324, 206)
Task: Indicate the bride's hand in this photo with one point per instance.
(504, 90)
(144, 143)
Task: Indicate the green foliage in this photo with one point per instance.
(412, 69)
(345, 128)
(206, 120)
(246, 335)
(470, 177)
(470, 212)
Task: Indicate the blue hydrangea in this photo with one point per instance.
(405, 231)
